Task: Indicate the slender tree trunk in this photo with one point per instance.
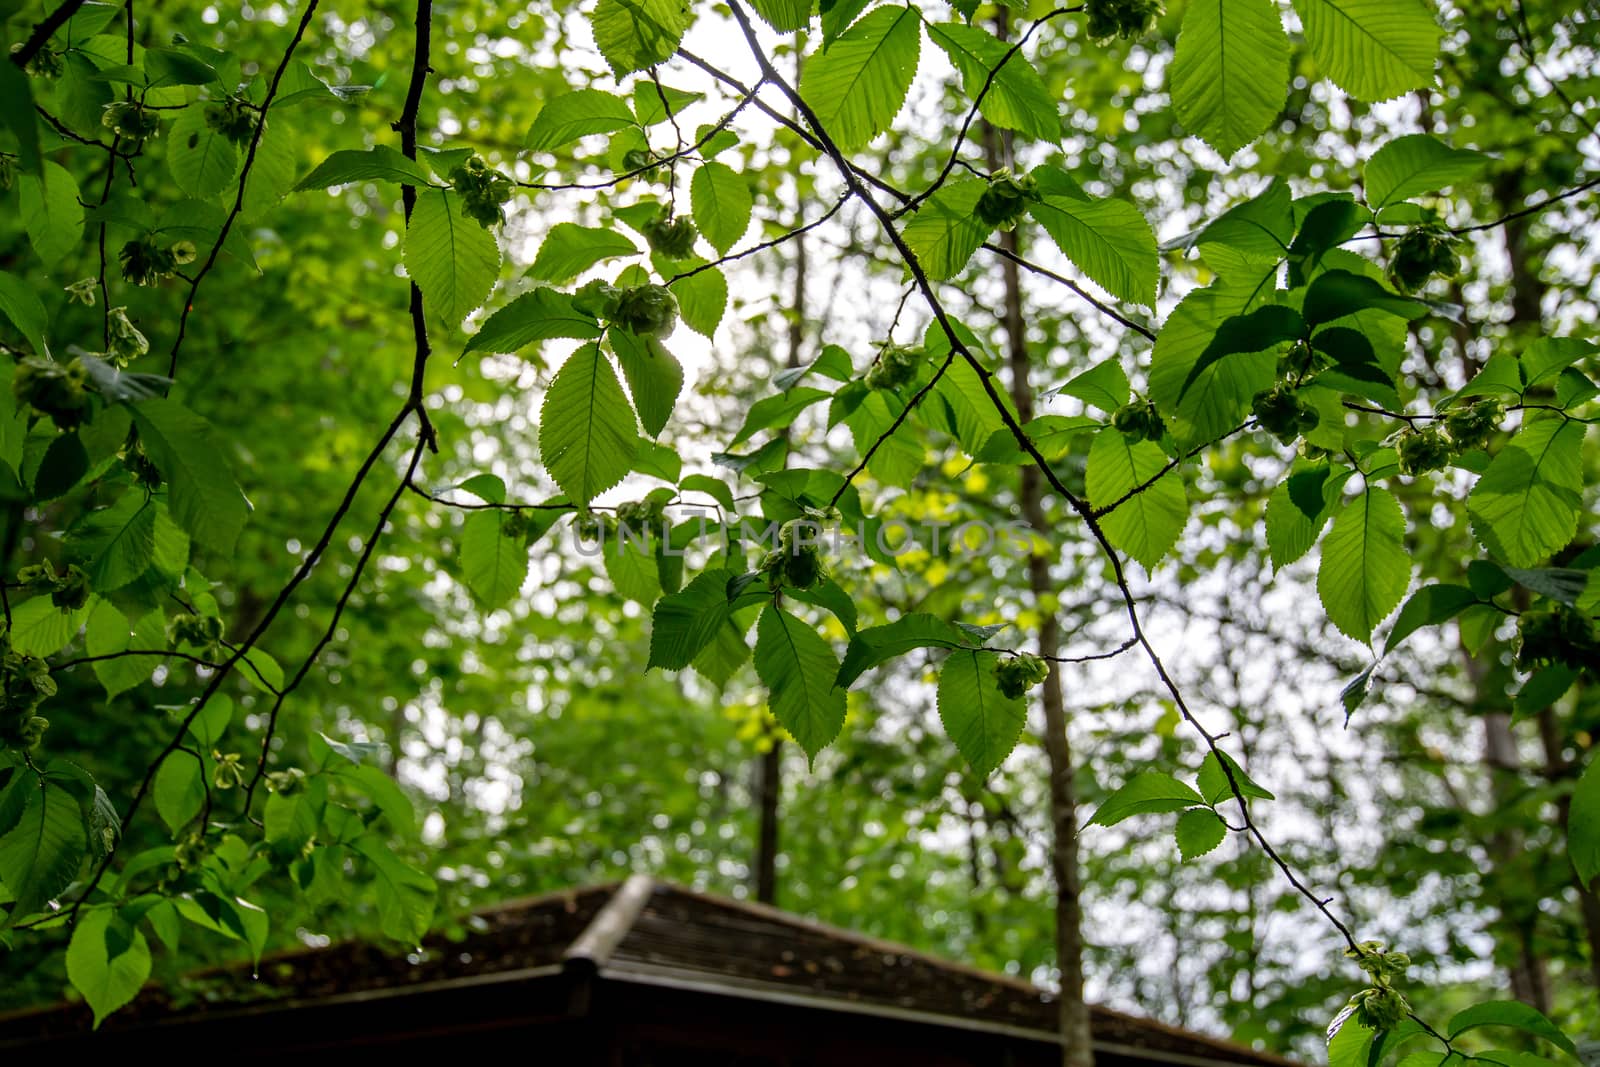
(769, 773)
(1076, 1049)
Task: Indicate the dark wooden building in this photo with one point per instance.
(641, 973)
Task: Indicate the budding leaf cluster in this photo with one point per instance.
(1283, 414)
(1121, 18)
(1018, 674)
(672, 237)
(234, 118)
(1559, 635)
(484, 191)
(1421, 253)
(895, 366)
(1006, 199)
(797, 561)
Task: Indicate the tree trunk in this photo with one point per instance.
(769, 774)
(1076, 1050)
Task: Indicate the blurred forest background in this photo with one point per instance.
(541, 754)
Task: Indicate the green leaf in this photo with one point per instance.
(202, 160)
(879, 644)
(1255, 331)
(578, 114)
(777, 412)
(984, 723)
(107, 976)
(19, 304)
(51, 212)
(702, 298)
(1145, 794)
(202, 495)
(798, 668)
(1372, 49)
(41, 853)
(1416, 164)
(1348, 1046)
(1230, 71)
(406, 896)
(690, 620)
(1583, 825)
(569, 250)
(109, 632)
(1526, 505)
(784, 16)
(859, 84)
(721, 201)
(972, 416)
(1214, 786)
(493, 564)
(1104, 385)
(1428, 606)
(1512, 1013)
(379, 163)
(39, 628)
(1199, 831)
(1147, 524)
(634, 34)
(655, 377)
(1337, 293)
(538, 315)
(453, 260)
(1017, 98)
(180, 791)
(1365, 566)
(945, 231)
(385, 794)
(1290, 531)
(587, 432)
(1109, 240)
(16, 111)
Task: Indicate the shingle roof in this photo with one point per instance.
(653, 933)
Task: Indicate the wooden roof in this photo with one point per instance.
(644, 933)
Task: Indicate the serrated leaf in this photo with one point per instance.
(1109, 240)
(493, 564)
(1365, 566)
(1017, 98)
(945, 231)
(51, 213)
(1414, 165)
(569, 250)
(406, 896)
(538, 315)
(378, 163)
(21, 305)
(180, 791)
(1264, 328)
(1428, 606)
(858, 85)
(721, 202)
(879, 644)
(1230, 71)
(1372, 49)
(1213, 784)
(785, 16)
(41, 853)
(587, 431)
(655, 378)
(983, 722)
(202, 495)
(798, 668)
(578, 114)
(1526, 505)
(453, 259)
(1148, 793)
(1199, 831)
(1147, 524)
(1512, 1013)
(202, 160)
(107, 979)
(634, 34)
